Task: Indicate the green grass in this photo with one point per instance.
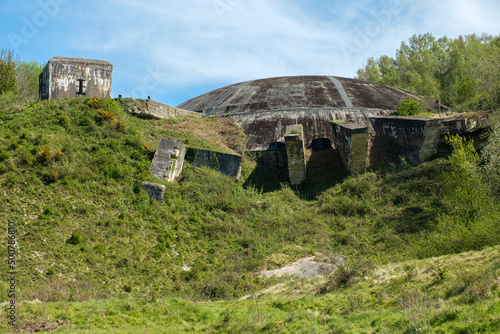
(91, 240)
(430, 296)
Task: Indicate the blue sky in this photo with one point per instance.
(173, 50)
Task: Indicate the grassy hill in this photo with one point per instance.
(97, 253)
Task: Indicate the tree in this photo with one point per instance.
(464, 192)
(8, 64)
(27, 80)
(491, 159)
(463, 72)
(371, 72)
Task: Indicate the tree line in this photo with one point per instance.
(463, 72)
(19, 78)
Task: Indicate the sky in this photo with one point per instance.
(174, 50)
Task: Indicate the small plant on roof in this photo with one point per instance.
(408, 107)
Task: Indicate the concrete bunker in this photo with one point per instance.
(75, 77)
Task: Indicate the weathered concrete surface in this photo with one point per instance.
(266, 128)
(227, 164)
(352, 142)
(462, 124)
(415, 138)
(272, 158)
(264, 108)
(152, 109)
(75, 77)
(154, 190)
(168, 160)
(304, 92)
(295, 154)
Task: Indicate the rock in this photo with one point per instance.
(154, 190)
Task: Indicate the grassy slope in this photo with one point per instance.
(87, 231)
(435, 295)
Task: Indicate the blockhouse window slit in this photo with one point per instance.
(81, 86)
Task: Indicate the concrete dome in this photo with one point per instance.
(265, 107)
(310, 92)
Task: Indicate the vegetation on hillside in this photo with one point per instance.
(70, 172)
(448, 294)
(97, 253)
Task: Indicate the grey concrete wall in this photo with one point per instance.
(352, 142)
(271, 158)
(60, 78)
(157, 110)
(463, 124)
(295, 154)
(227, 164)
(168, 160)
(265, 128)
(415, 138)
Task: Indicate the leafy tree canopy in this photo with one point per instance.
(463, 72)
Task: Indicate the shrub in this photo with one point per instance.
(51, 176)
(95, 102)
(58, 155)
(491, 158)
(345, 275)
(408, 107)
(146, 149)
(462, 186)
(75, 239)
(105, 115)
(45, 155)
(120, 125)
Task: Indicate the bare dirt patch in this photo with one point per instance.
(303, 268)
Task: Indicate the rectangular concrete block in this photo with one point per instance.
(227, 164)
(352, 142)
(154, 190)
(415, 138)
(168, 160)
(294, 139)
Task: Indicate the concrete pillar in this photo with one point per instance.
(168, 161)
(294, 138)
(416, 138)
(351, 140)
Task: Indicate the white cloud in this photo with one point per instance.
(199, 43)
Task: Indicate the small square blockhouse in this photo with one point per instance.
(75, 77)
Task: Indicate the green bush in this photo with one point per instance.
(8, 64)
(491, 160)
(75, 239)
(408, 107)
(464, 192)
